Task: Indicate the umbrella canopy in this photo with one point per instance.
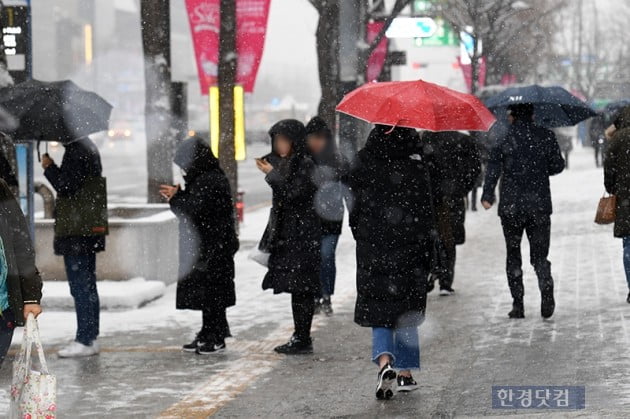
(417, 104)
(54, 111)
(553, 106)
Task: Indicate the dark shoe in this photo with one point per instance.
(211, 348)
(296, 346)
(385, 383)
(192, 346)
(326, 306)
(446, 291)
(406, 384)
(318, 306)
(518, 311)
(628, 299)
(547, 304)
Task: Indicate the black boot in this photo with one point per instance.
(296, 346)
(518, 310)
(326, 306)
(547, 304)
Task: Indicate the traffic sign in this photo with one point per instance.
(444, 36)
(412, 27)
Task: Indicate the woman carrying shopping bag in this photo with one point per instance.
(294, 260)
(20, 283)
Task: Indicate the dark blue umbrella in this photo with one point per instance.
(553, 106)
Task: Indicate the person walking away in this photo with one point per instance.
(331, 170)
(81, 164)
(458, 165)
(207, 243)
(597, 136)
(20, 283)
(617, 182)
(295, 235)
(392, 222)
(525, 159)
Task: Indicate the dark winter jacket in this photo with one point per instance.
(330, 176)
(458, 165)
(207, 235)
(392, 222)
(81, 161)
(617, 173)
(23, 280)
(524, 160)
(296, 228)
(7, 173)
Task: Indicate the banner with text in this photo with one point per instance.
(205, 21)
(376, 62)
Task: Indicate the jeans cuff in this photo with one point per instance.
(377, 356)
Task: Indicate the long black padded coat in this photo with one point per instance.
(207, 236)
(294, 230)
(392, 222)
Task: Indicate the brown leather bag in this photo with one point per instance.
(606, 210)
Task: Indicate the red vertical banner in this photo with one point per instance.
(376, 62)
(251, 17)
(205, 21)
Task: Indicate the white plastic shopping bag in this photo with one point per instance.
(33, 393)
(259, 256)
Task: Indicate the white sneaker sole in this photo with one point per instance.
(385, 385)
(407, 389)
(76, 355)
(216, 351)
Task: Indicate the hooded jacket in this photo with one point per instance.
(617, 172)
(23, 280)
(207, 235)
(392, 221)
(330, 176)
(294, 229)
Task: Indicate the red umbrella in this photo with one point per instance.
(417, 104)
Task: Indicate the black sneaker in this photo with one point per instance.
(406, 384)
(547, 304)
(518, 311)
(326, 306)
(446, 291)
(210, 348)
(296, 346)
(192, 346)
(385, 383)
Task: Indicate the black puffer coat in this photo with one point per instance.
(330, 176)
(392, 223)
(23, 280)
(207, 237)
(617, 172)
(296, 229)
(81, 161)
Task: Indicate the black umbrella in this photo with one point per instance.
(553, 106)
(54, 111)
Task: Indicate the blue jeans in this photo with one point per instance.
(328, 270)
(402, 345)
(626, 257)
(81, 272)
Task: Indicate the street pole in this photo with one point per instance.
(227, 78)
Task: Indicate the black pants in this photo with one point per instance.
(303, 305)
(538, 230)
(215, 326)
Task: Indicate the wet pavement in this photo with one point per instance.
(468, 344)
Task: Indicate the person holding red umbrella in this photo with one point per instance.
(392, 221)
